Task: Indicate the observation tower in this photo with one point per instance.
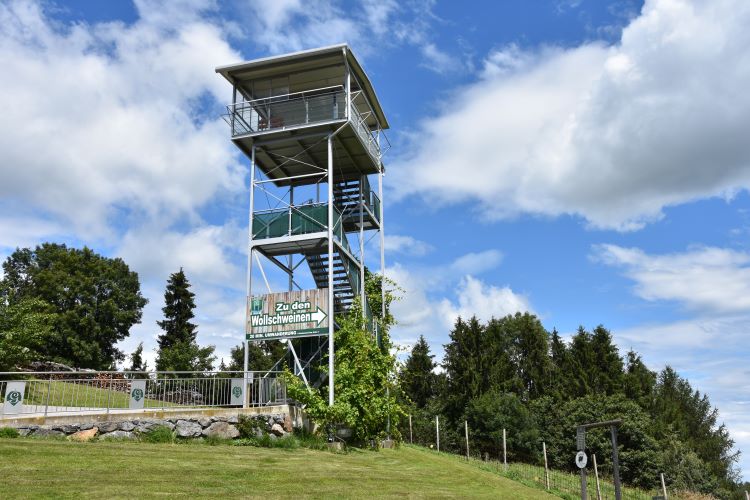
(312, 127)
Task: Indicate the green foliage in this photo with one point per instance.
(250, 427)
(493, 411)
(178, 349)
(510, 373)
(137, 363)
(8, 432)
(25, 327)
(417, 377)
(95, 301)
(262, 356)
(160, 434)
(365, 391)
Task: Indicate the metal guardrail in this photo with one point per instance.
(96, 392)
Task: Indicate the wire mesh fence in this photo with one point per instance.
(437, 434)
(49, 393)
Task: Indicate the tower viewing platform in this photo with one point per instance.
(313, 129)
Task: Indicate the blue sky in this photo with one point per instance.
(584, 160)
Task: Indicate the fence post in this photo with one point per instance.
(109, 392)
(664, 487)
(747, 495)
(46, 401)
(466, 431)
(596, 475)
(437, 431)
(615, 463)
(505, 453)
(411, 437)
(546, 469)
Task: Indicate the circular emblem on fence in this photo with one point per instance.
(137, 394)
(581, 460)
(14, 397)
(237, 391)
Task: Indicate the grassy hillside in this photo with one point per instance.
(61, 469)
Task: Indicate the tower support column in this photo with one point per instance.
(331, 319)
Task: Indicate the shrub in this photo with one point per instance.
(160, 434)
(8, 432)
(249, 426)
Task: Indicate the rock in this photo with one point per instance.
(82, 436)
(27, 431)
(218, 418)
(188, 428)
(126, 426)
(221, 430)
(85, 427)
(204, 421)
(44, 432)
(118, 435)
(151, 424)
(277, 430)
(288, 423)
(67, 429)
(106, 427)
(234, 419)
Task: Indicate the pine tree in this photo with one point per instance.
(178, 349)
(418, 380)
(607, 370)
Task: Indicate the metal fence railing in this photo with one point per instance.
(56, 393)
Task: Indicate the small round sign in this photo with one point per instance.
(581, 460)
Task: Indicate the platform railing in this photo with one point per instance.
(97, 392)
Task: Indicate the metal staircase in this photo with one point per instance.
(345, 277)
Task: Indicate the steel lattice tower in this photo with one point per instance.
(312, 127)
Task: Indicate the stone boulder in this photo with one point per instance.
(105, 427)
(45, 432)
(188, 428)
(204, 421)
(277, 430)
(118, 435)
(288, 427)
(126, 426)
(151, 424)
(221, 430)
(82, 436)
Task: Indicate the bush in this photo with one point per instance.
(249, 426)
(8, 432)
(160, 434)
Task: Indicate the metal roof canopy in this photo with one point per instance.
(269, 67)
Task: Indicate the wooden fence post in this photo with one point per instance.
(437, 431)
(546, 469)
(411, 439)
(596, 475)
(466, 431)
(664, 486)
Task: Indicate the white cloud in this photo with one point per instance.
(702, 278)
(105, 118)
(476, 298)
(477, 262)
(612, 134)
(395, 243)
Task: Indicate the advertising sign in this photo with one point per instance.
(287, 314)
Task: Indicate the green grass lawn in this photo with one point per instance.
(61, 469)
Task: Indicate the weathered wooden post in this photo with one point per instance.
(505, 453)
(411, 439)
(596, 475)
(546, 469)
(664, 487)
(437, 431)
(466, 431)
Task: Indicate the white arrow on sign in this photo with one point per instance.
(319, 316)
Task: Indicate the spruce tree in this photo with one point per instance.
(136, 360)
(178, 311)
(178, 349)
(418, 380)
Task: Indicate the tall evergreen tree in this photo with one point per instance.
(137, 364)
(417, 377)
(606, 372)
(178, 349)
(179, 303)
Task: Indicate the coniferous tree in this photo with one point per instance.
(178, 349)
(417, 377)
(137, 364)
(178, 311)
(606, 370)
